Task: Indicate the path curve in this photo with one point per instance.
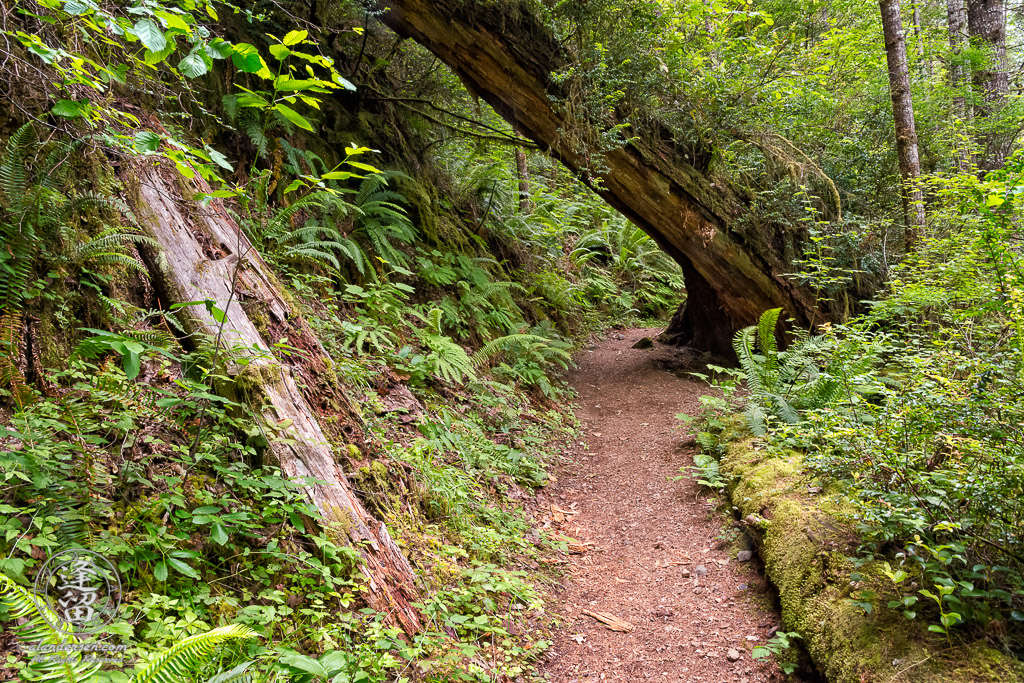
(651, 536)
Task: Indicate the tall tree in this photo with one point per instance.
(986, 23)
(956, 13)
(903, 114)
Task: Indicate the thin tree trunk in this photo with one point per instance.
(523, 175)
(205, 256)
(957, 18)
(925, 63)
(986, 23)
(903, 114)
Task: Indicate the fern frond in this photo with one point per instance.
(14, 173)
(768, 346)
(180, 660)
(240, 674)
(36, 628)
(503, 345)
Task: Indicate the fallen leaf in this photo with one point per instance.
(611, 621)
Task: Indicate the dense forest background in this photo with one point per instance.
(286, 301)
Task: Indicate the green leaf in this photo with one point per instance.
(160, 571)
(216, 312)
(131, 364)
(251, 99)
(150, 34)
(182, 568)
(70, 108)
(364, 167)
(218, 533)
(218, 48)
(147, 142)
(75, 8)
(291, 84)
(295, 37)
(294, 116)
(158, 56)
(194, 63)
(280, 52)
(222, 161)
(343, 82)
(246, 58)
(174, 21)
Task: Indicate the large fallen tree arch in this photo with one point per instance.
(506, 56)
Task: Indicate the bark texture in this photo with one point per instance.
(506, 56)
(956, 14)
(200, 249)
(903, 114)
(986, 23)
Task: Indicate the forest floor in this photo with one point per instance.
(664, 553)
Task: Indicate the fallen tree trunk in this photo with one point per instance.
(205, 256)
(506, 56)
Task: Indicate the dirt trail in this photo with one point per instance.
(663, 559)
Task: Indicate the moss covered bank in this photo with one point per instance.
(805, 545)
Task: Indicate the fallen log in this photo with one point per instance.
(506, 55)
(204, 255)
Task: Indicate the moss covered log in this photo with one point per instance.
(805, 545)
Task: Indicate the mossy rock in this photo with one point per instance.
(802, 540)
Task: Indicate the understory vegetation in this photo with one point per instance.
(286, 312)
(909, 419)
(446, 312)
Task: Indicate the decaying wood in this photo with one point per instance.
(732, 275)
(610, 620)
(201, 247)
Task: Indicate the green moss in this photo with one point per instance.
(814, 583)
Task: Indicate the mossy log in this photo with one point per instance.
(506, 55)
(205, 256)
(805, 544)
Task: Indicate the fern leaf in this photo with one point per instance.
(181, 659)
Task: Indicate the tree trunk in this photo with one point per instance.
(205, 256)
(903, 114)
(957, 18)
(986, 23)
(523, 175)
(504, 54)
